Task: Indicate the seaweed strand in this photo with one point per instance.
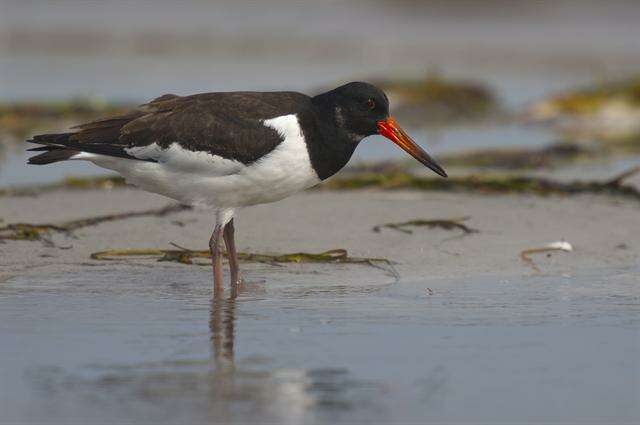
(187, 256)
(41, 232)
(446, 224)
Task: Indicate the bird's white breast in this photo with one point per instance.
(201, 178)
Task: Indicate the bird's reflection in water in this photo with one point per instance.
(279, 395)
(222, 326)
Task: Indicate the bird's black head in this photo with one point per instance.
(357, 108)
(361, 110)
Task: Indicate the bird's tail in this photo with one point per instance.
(54, 149)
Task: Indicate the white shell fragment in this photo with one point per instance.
(560, 245)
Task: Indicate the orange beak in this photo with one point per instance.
(390, 129)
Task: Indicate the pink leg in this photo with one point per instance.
(216, 260)
(229, 240)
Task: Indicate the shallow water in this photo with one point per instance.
(148, 346)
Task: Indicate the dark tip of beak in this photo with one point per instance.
(434, 166)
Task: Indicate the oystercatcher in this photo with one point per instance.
(233, 149)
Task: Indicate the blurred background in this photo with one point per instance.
(473, 330)
(556, 78)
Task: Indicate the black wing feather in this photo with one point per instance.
(224, 124)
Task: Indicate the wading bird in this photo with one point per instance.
(233, 149)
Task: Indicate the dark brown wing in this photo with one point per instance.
(229, 125)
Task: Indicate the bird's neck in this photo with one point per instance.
(331, 145)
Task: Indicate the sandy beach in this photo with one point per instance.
(604, 232)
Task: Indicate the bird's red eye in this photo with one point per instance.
(371, 104)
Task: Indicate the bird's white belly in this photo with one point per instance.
(199, 178)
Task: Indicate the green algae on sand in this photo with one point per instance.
(446, 224)
(187, 256)
(488, 184)
(42, 232)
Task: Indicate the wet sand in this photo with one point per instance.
(605, 232)
(469, 333)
